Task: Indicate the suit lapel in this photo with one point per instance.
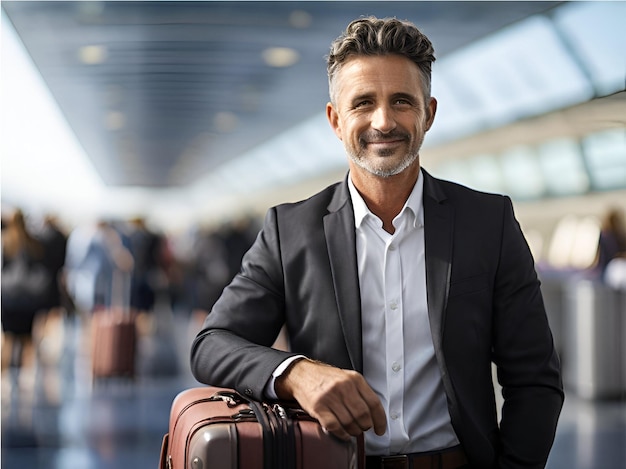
(438, 229)
(438, 224)
(341, 243)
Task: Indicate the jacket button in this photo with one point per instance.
(248, 392)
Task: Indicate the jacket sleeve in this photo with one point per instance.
(233, 349)
(523, 351)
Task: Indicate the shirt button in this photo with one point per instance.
(393, 305)
(392, 247)
(396, 367)
(394, 416)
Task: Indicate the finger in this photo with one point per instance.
(372, 414)
(376, 413)
(337, 417)
(331, 424)
(360, 412)
(352, 425)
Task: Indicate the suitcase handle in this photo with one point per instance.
(232, 398)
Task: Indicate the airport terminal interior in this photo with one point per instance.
(169, 128)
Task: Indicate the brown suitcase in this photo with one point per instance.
(217, 428)
(114, 344)
(114, 333)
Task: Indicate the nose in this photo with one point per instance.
(383, 119)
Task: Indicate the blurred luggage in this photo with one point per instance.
(217, 428)
(114, 344)
(114, 334)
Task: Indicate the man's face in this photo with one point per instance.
(380, 113)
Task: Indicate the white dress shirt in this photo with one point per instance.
(398, 353)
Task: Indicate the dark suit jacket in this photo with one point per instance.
(484, 304)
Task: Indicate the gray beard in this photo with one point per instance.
(384, 172)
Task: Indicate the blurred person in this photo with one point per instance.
(210, 270)
(94, 254)
(612, 241)
(173, 269)
(217, 254)
(145, 248)
(54, 242)
(25, 287)
(48, 328)
(238, 236)
(398, 290)
(98, 264)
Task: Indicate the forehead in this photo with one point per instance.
(395, 73)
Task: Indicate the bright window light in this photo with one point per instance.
(596, 32)
(605, 153)
(486, 173)
(522, 173)
(522, 71)
(562, 164)
(43, 165)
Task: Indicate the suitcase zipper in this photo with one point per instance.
(288, 437)
(279, 437)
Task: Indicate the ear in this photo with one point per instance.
(333, 120)
(432, 110)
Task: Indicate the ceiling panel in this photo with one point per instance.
(161, 94)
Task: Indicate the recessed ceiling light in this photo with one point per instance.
(93, 55)
(300, 19)
(280, 56)
(225, 121)
(115, 120)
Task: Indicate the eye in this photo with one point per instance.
(402, 101)
(362, 103)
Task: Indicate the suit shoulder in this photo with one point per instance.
(459, 193)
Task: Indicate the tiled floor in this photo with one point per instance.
(60, 420)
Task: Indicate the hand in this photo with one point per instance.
(341, 400)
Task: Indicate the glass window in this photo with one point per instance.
(486, 173)
(605, 154)
(521, 71)
(563, 167)
(522, 173)
(595, 32)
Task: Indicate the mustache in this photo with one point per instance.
(378, 136)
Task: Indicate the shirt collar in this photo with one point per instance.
(413, 203)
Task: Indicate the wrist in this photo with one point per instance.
(285, 381)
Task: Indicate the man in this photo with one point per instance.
(398, 289)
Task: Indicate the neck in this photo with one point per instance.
(385, 197)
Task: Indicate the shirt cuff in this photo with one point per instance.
(269, 390)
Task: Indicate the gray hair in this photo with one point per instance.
(372, 36)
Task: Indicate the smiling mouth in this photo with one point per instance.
(384, 143)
